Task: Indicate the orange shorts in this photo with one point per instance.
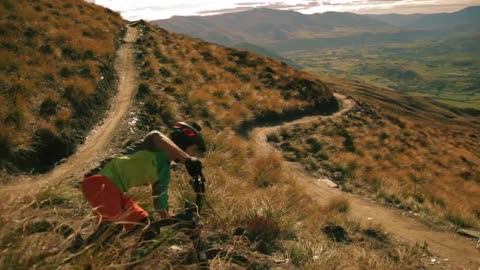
(109, 203)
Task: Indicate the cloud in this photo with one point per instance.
(154, 9)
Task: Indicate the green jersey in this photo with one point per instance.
(140, 167)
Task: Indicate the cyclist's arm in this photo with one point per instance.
(163, 143)
(160, 195)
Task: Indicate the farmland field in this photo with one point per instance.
(448, 70)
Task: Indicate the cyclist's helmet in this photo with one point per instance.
(185, 135)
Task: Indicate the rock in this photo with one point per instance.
(176, 248)
(469, 233)
(328, 182)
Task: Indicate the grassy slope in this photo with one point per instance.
(227, 88)
(261, 217)
(56, 75)
(395, 148)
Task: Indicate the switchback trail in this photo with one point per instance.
(459, 251)
(452, 250)
(95, 144)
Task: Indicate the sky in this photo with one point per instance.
(162, 9)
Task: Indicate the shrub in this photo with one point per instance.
(314, 143)
(84, 71)
(458, 220)
(48, 107)
(45, 49)
(336, 233)
(391, 198)
(165, 72)
(143, 90)
(5, 147)
(273, 137)
(263, 229)
(49, 149)
(15, 117)
(376, 233)
(147, 74)
(65, 72)
(178, 80)
(161, 57)
(30, 32)
(71, 54)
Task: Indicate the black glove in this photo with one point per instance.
(194, 166)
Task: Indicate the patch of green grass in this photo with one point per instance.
(446, 72)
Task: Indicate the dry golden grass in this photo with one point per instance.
(247, 225)
(47, 46)
(256, 216)
(401, 159)
(224, 86)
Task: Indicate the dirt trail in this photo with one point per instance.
(95, 144)
(459, 251)
(453, 251)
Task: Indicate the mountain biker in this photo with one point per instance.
(145, 162)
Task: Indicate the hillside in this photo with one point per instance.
(263, 51)
(56, 76)
(263, 26)
(283, 31)
(181, 76)
(467, 18)
(395, 148)
(261, 214)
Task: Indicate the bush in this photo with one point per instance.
(459, 220)
(336, 233)
(49, 148)
(143, 90)
(15, 117)
(165, 72)
(71, 54)
(48, 107)
(65, 72)
(147, 74)
(273, 137)
(5, 147)
(314, 143)
(45, 49)
(376, 233)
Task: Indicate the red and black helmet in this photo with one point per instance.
(185, 135)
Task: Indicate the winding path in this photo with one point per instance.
(96, 143)
(452, 250)
(458, 251)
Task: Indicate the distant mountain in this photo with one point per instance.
(263, 51)
(468, 17)
(265, 26)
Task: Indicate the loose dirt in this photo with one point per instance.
(453, 251)
(445, 245)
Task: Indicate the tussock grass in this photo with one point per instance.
(255, 213)
(417, 167)
(246, 226)
(338, 205)
(49, 50)
(221, 84)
